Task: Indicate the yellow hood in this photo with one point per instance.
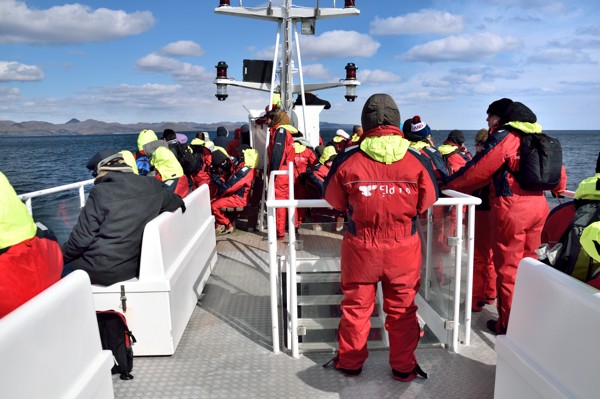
(16, 224)
(166, 163)
(145, 137)
(385, 149)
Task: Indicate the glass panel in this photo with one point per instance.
(59, 212)
(441, 265)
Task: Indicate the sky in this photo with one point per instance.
(154, 61)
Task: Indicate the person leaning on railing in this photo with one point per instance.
(517, 214)
(106, 242)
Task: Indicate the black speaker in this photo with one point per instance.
(258, 71)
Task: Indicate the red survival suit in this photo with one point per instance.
(304, 157)
(233, 193)
(384, 186)
(484, 273)
(281, 153)
(440, 228)
(455, 156)
(170, 172)
(203, 155)
(30, 261)
(235, 143)
(517, 215)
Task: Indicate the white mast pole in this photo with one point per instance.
(287, 85)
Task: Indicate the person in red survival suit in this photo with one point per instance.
(454, 152)
(235, 192)
(235, 143)
(517, 215)
(281, 153)
(316, 174)
(204, 158)
(484, 274)
(419, 134)
(304, 157)
(384, 186)
(30, 259)
(170, 172)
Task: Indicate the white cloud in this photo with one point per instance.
(376, 76)
(588, 30)
(182, 48)
(332, 44)
(158, 100)
(560, 56)
(317, 71)
(132, 95)
(264, 54)
(338, 43)
(155, 63)
(16, 72)
(462, 48)
(539, 6)
(69, 23)
(422, 22)
(8, 97)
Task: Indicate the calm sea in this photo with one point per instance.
(35, 163)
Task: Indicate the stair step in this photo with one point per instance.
(311, 300)
(331, 323)
(332, 346)
(318, 278)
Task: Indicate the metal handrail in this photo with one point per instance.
(27, 197)
(457, 199)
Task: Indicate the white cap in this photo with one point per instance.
(342, 133)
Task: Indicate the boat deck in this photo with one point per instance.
(225, 351)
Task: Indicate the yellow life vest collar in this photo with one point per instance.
(385, 149)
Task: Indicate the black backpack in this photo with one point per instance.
(186, 158)
(540, 162)
(116, 336)
(572, 258)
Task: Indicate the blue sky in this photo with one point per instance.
(151, 61)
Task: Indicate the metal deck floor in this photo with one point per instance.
(225, 351)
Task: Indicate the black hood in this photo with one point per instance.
(457, 137)
(518, 112)
(380, 109)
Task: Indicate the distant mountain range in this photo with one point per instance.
(91, 126)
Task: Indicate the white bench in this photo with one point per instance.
(178, 254)
(551, 349)
(50, 346)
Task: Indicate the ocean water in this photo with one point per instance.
(36, 163)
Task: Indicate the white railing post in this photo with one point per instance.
(428, 251)
(292, 263)
(81, 197)
(273, 267)
(457, 276)
(470, 250)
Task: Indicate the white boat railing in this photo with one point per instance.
(80, 186)
(439, 324)
(458, 200)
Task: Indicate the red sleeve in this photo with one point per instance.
(562, 186)
(242, 178)
(428, 191)
(312, 159)
(334, 191)
(455, 162)
(478, 173)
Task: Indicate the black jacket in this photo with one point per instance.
(106, 242)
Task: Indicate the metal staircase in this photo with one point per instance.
(318, 299)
